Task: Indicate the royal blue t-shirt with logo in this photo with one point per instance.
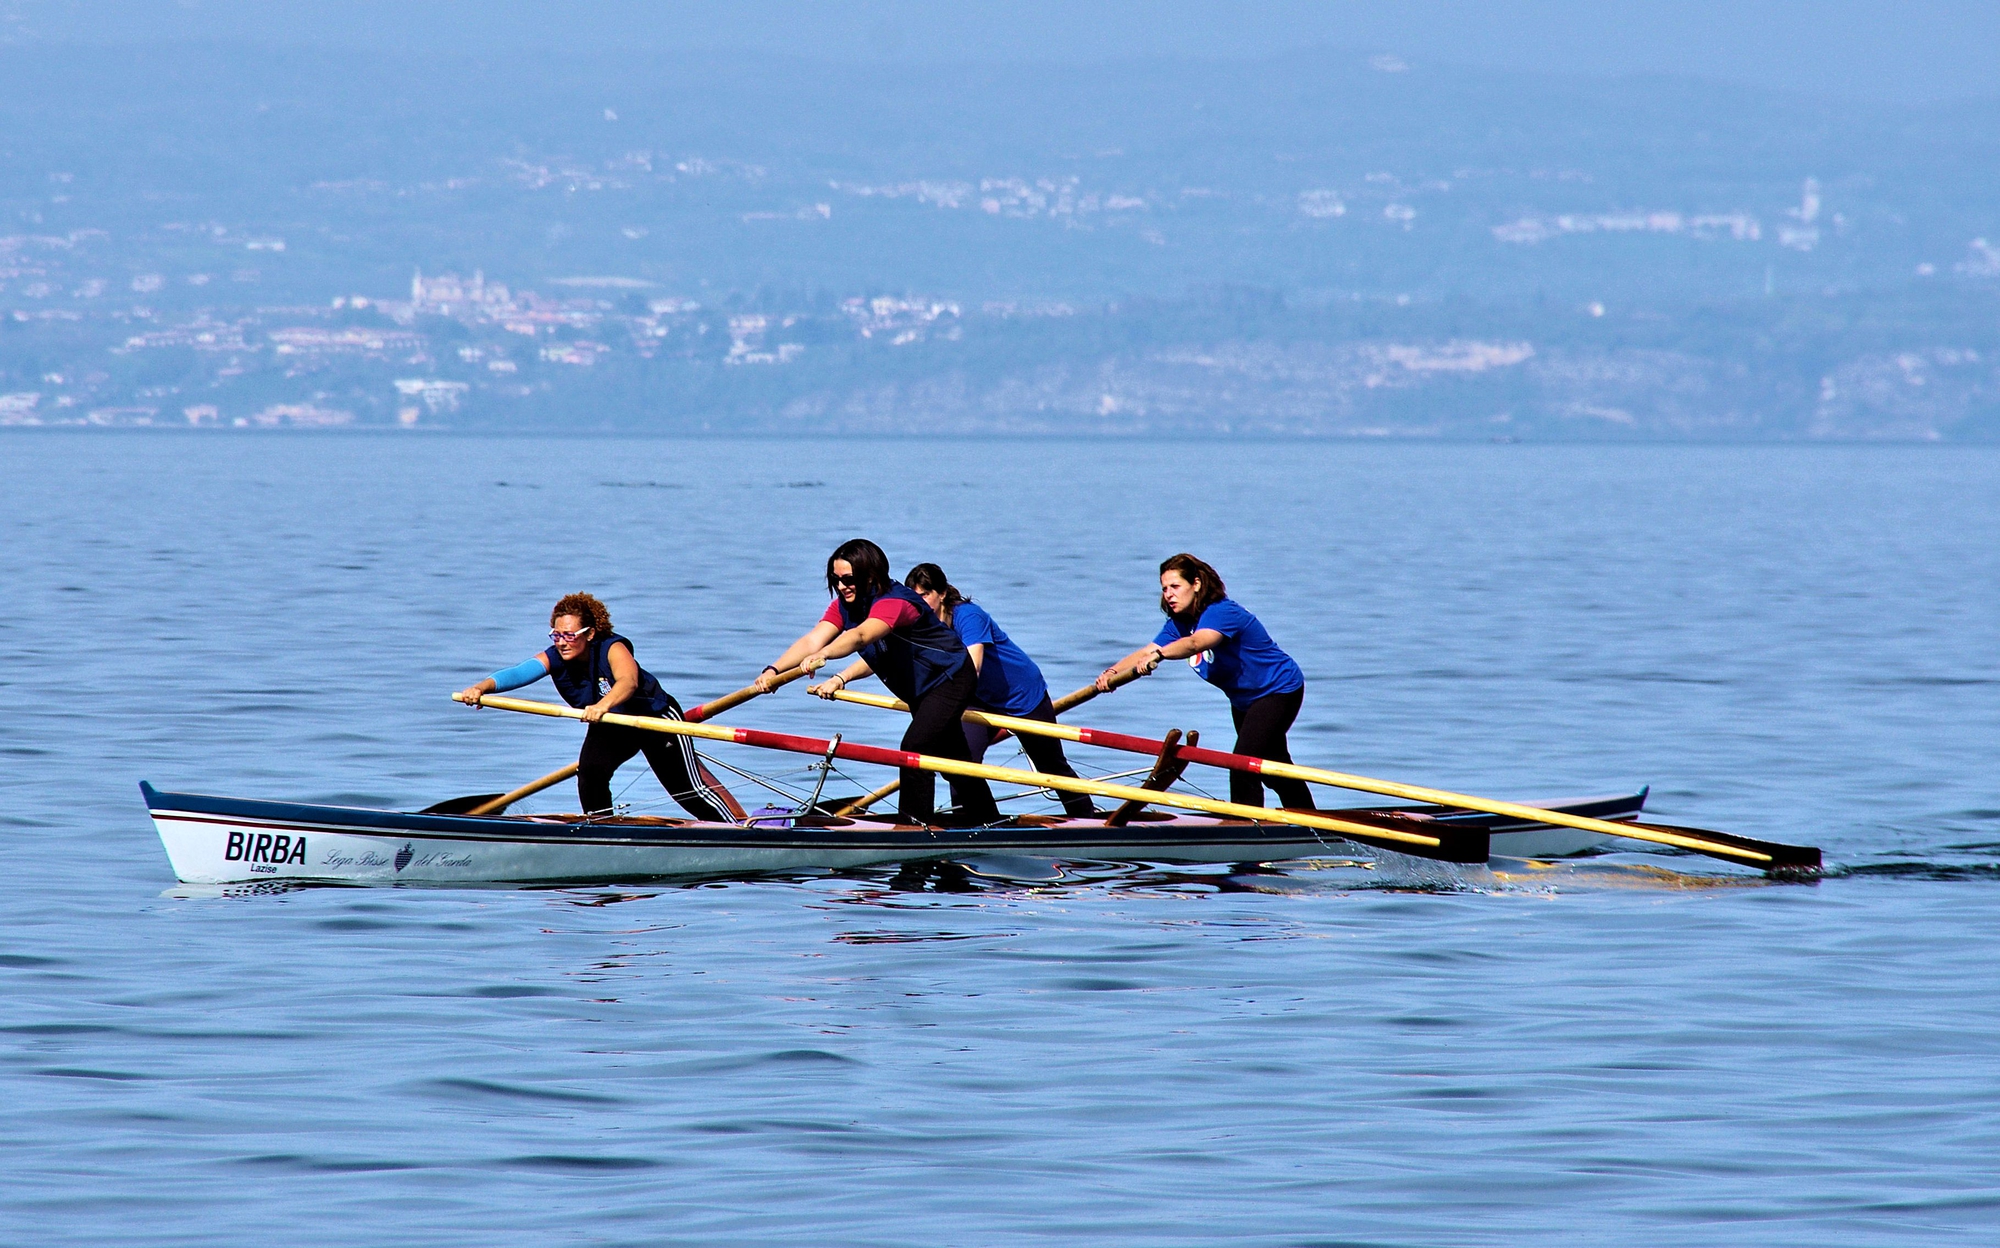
(1009, 681)
(1247, 664)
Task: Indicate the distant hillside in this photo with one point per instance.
(1309, 244)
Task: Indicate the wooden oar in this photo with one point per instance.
(868, 799)
(709, 710)
(502, 802)
(1167, 769)
(1767, 855)
(1065, 702)
(1085, 694)
(695, 714)
(1443, 843)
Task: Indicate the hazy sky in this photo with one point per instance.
(1879, 49)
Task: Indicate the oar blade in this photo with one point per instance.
(1464, 846)
(460, 805)
(1785, 859)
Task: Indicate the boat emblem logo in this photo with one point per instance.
(404, 855)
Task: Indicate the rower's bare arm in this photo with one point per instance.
(846, 676)
(978, 652)
(820, 634)
(1194, 643)
(624, 683)
(1143, 661)
(866, 633)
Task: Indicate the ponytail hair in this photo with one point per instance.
(930, 578)
(1195, 572)
(871, 568)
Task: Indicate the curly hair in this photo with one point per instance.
(585, 607)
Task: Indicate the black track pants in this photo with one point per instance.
(1260, 733)
(1046, 753)
(934, 729)
(606, 747)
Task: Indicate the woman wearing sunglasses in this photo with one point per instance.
(1008, 681)
(921, 661)
(595, 672)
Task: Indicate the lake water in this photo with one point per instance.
(1794, 643)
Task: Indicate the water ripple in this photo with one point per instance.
(1632, 1047)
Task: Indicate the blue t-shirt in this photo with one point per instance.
(1009, 681)
(1247, 665)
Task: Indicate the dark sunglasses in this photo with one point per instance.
(846, 580)
(566, 639)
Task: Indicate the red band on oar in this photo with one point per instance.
(1450, 845)
(1146, 745)
(1771, 855)
(853, 753)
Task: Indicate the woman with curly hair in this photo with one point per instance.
(594, 671)
(1230, 649)
(921, 660)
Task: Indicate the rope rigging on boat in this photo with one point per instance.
(965, 686)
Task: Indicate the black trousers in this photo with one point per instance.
(1046, 753)
(934, 729)
(1260, 733)
(606, 747)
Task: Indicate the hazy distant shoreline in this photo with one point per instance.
(1320, 245)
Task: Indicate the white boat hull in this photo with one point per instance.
(216, 840)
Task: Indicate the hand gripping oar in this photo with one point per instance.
(1446, 844)
(729, 701)
(1064, 703)
(494, 806)
(1765, 855)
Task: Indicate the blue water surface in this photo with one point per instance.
(1799, 643)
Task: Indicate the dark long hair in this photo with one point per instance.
(930, 578)
(1194, 572)
(871, 569)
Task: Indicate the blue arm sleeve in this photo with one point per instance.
(526, 673)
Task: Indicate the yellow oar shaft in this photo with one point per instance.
(979, 771)
(704, 711)
(1065, 702)
(1338, 779)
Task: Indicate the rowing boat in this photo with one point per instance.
(225, 840)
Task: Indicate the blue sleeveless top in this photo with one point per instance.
(918, 654)
(589, 678)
